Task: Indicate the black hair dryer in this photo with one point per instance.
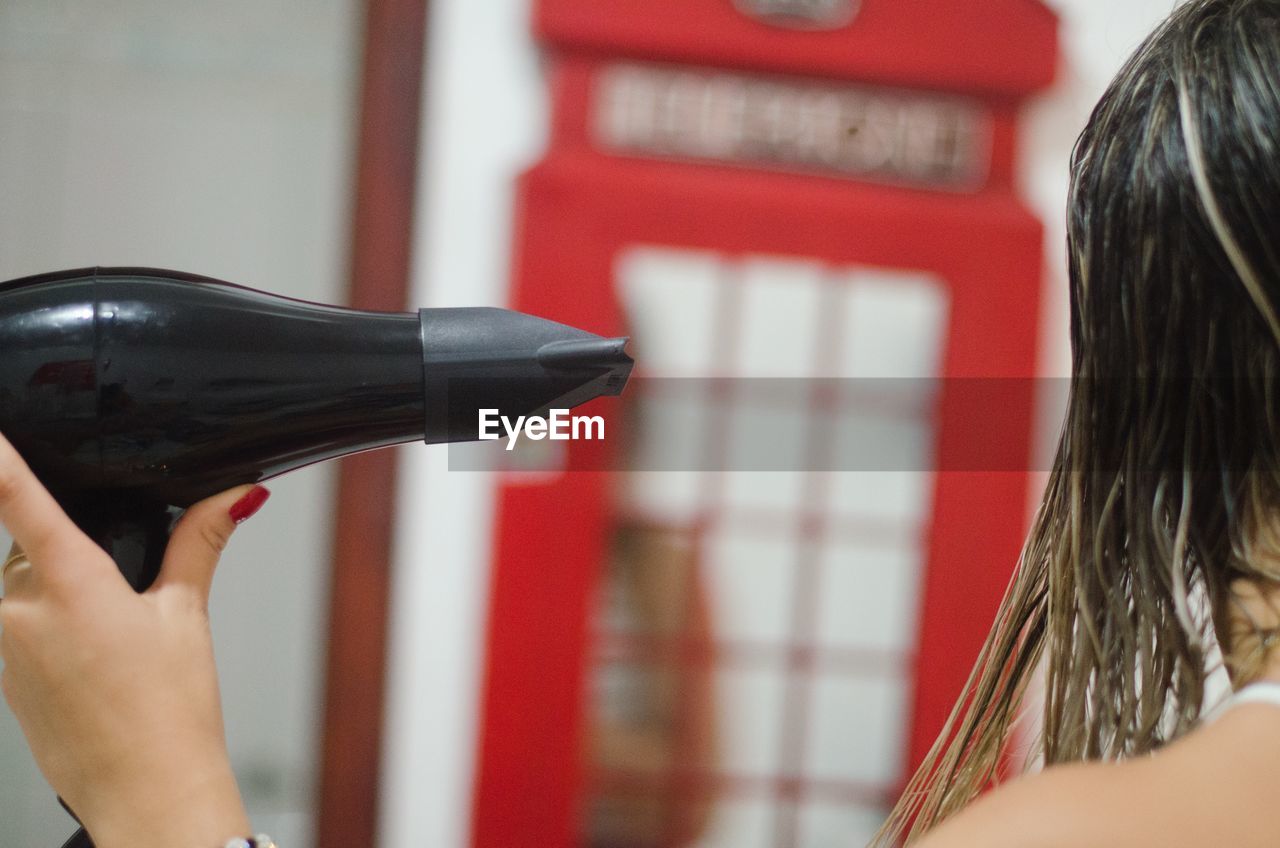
(134, 393)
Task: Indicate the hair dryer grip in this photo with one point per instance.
(133, 535)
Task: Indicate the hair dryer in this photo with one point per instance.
(135, 392)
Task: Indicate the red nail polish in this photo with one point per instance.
(243, 509)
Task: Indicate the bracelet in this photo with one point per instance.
(259, 841)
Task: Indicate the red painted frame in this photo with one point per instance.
(550, 536)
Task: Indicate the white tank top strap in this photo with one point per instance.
(1262, 692)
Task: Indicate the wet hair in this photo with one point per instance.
(1165, 488)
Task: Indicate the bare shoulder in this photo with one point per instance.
(1218, 786)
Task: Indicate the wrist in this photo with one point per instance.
(203, 809)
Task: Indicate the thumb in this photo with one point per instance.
(201, 535)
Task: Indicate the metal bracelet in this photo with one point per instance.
(259, 841)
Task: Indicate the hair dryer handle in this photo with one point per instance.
(135, 535)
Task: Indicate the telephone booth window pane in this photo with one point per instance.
(881, 463)
(763, 492)
(749, 580)
(780, 315)
(670, 298)
(842, 703)
(870, 596)
(751, 711)
(894, 326)
(893, 435)
(890, 497)
(769, 427)
(668, 433)
(740, 824)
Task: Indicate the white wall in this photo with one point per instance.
(485, 120)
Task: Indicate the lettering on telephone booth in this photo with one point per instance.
(883, 134)
(809, 14)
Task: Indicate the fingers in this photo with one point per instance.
(199, 538)
(31, 514)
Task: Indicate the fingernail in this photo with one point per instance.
(243, 509)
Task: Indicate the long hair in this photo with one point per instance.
(1165, 484)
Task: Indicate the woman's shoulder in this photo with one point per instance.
(1218, 785)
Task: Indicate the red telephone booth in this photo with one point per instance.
(813, 192)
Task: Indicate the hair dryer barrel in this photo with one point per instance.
(168, 387)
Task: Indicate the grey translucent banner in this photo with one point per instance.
(784, 424)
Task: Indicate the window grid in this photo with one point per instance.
(812, 525)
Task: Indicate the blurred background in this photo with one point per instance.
(632, 659)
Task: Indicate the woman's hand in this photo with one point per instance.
(117, 691)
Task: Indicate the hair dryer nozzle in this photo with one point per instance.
(591, 354)
(515, 364)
